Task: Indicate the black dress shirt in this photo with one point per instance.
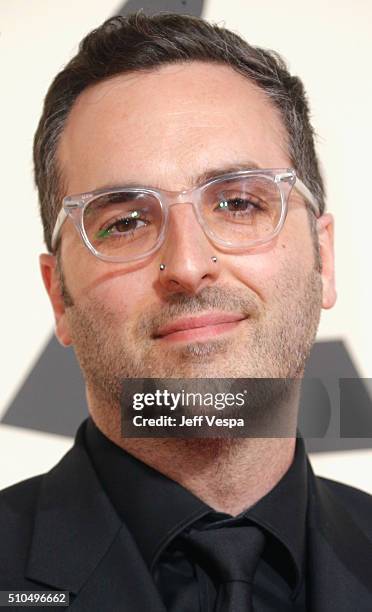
(157, 510)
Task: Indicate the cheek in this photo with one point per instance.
(123, 295)
(89, 279)
(259, 272)
(266, 270)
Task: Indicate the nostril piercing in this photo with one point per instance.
(214, 259)
(162, 266)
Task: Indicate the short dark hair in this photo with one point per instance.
(139, 43)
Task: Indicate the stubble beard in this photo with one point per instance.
(272, 343)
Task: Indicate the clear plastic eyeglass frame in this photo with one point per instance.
(73, 206)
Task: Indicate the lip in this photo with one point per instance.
(211, 324)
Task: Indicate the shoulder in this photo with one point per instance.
(356, 502)
(347, 494)
(17, 511)
(20, 498)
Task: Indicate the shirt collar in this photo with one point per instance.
(156, 509)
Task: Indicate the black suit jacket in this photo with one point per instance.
(59, 531)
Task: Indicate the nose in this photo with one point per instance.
(187, 253)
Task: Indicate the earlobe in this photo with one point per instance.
(325, 227)
(52, 283)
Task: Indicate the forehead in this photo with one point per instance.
(162, 127)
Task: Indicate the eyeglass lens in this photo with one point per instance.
(238, 211)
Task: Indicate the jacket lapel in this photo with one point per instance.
(340, 555)
(80, 545)
(120, 582)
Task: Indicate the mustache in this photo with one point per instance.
(219, 298)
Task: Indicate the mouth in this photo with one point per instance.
(199, 328)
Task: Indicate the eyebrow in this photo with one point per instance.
(199, 179)
(212, 173)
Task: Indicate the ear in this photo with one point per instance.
(325, 226)
(51, 279)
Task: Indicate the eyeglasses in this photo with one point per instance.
(238, 210)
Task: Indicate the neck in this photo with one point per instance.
(228, 474)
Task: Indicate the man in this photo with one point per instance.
(185, 159)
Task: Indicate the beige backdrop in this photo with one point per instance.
(328, 44)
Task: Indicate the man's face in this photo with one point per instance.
(163, 129)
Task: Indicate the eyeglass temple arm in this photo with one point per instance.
(62, 215)
(306, 193)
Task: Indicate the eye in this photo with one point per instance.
(237, 205)
(240, 205)
(123, 225)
